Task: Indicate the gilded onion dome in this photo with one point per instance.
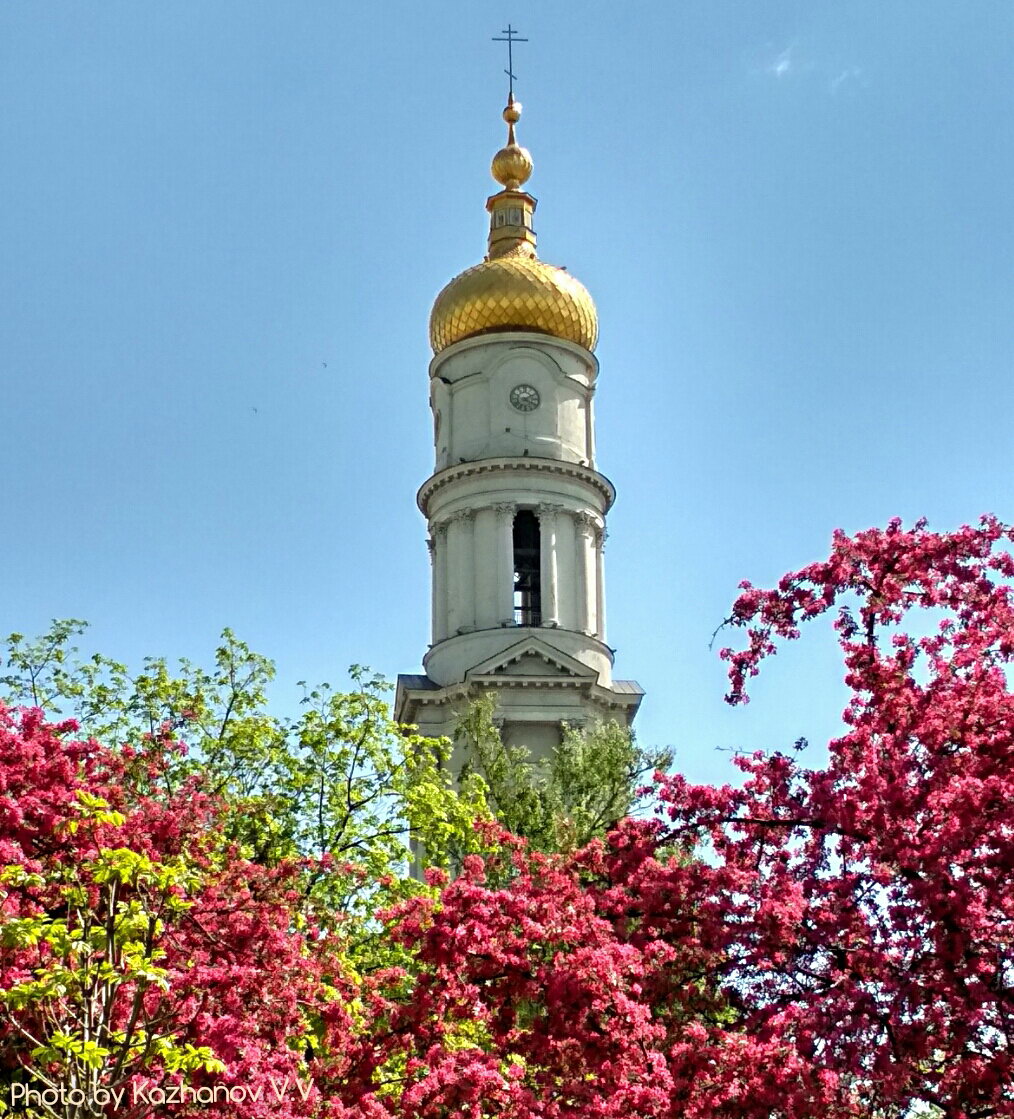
(512, 289)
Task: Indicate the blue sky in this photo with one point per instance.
(794, 217)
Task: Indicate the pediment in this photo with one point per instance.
(533, 657)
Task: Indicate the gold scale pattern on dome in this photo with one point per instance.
(512, 289)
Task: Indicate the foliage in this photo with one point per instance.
(342, 780)
(865, 910)
(138, 951)
(846, 948)
(572, 1008)
(843, 947)
(116, 979)
(586, 785)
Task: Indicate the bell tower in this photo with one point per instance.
(516, 508)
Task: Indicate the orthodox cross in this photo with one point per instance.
(510, 37)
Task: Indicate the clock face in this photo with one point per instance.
(525, 398)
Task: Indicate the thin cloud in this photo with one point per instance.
(782, 65)
(792, 64)
(847, 79)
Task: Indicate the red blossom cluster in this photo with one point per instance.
(238, 976)
(844, 947)
(867, 907)
(831, 942)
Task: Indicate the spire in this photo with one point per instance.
(511, 209)
(509, 36)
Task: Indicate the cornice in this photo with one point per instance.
(539, 633)
(451, 474)
(514, 339)
(469, 689)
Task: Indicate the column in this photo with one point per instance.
(438, 554)
(566, 570)
(549, 581)
(484, 563)
(600, 582)
(505, 563)
(586, 582)
(461, 573)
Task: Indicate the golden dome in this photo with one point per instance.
(512, 289)
(514, 292)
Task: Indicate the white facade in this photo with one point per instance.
(516, 516)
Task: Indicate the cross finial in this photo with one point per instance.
(510, 37)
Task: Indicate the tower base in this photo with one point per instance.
(539, 688)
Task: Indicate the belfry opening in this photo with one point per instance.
(527, 570)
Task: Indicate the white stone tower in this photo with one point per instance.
(515, 507)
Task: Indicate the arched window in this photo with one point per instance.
(527, 586)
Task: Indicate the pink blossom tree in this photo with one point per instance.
(832, 942)
(843, 947)
(139, 953)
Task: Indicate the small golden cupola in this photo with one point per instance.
(512, 289)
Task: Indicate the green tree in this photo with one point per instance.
(586, 785)
(340, 781)
(97, 952)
